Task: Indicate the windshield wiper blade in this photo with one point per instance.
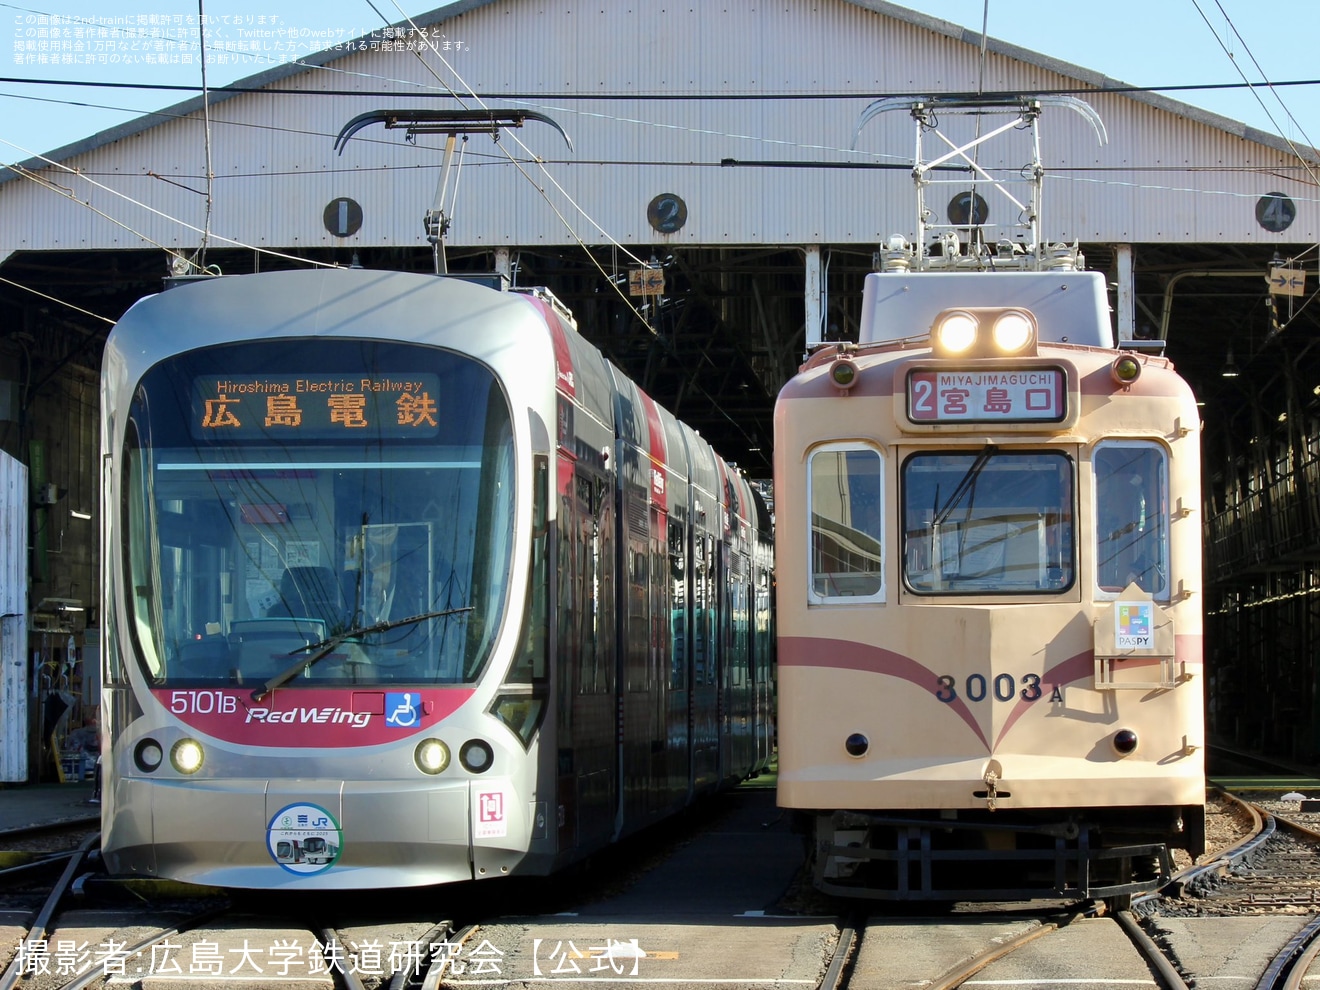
(968, 479)
(324, 648)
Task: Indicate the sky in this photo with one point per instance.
(1155, 43)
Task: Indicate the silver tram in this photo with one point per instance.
(406, 584)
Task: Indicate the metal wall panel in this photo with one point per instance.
(276, 169)
(13, 620)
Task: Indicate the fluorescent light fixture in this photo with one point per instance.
(80, 515)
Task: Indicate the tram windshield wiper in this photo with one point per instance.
(967, 482)
(319, 651)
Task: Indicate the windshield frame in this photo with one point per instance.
(370, 462)
(960, 546)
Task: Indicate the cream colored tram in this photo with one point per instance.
(989, 597)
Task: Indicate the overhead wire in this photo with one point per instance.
(69, 193)
(55, 299)
(516, 99)
(206, 121)
(518, 165)
(541, 162)
(615, 245)
(758, 97)
(1264, 77)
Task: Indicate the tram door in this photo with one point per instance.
(586, 740)
(679, 695)
(705, 659)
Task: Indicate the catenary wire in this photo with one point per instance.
(67, 192)
(1266, 82)
(56, 299)
(545, 172)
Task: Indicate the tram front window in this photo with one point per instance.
(988, 522)
(1132, 516)
(363, 497)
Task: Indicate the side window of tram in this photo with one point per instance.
(1132, 516)
(844, 486)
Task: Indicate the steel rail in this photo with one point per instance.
(1288, 968)
(441, 931)
(435, 973)
(14, 972)
(964, 972)
(1170, 977)
(1262, 827)
(849, 937)
(343, 974)
(90, 975)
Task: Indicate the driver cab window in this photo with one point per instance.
(844, 489)
(1132, 516)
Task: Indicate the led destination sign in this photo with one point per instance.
(315, 406)
(1003, 395)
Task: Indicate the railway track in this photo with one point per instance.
(992, 947)
(1271, 872)
(215, 942)
(87, 931)
(1262, 868)
(1256, 878)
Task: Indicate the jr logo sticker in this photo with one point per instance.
(304, 839)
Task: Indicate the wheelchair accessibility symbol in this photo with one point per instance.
(403, 709)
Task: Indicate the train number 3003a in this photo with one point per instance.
(978, 687)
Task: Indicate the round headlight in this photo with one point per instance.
(1012, 332)
(1126, 369)
(1125, 742)
(476, 756)
(957, 332)
(147, 754)
(186, 756)
(843, 373)
(431, 756)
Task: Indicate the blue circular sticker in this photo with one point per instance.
(304, 839)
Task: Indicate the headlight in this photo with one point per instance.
(984, 332)
(957, 332)
(1013, 331)
(843, 373)
(1125, 742)
(1125, 369)
(186, 756)
(431, 756)
(476, 756)
(147, 754)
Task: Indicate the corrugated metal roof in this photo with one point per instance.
(656, 99)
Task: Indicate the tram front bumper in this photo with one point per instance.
(299, 834)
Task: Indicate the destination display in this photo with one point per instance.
(315, 406)
(998, 396)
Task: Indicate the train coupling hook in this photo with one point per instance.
(991, 789)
